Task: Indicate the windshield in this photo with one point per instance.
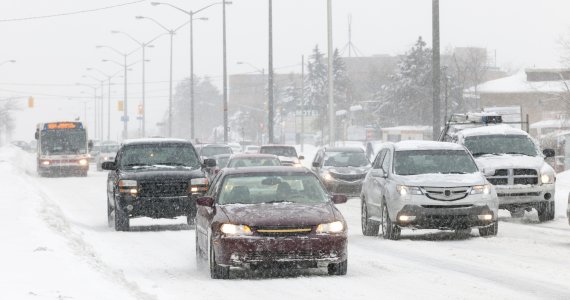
(279, 151)
(500, 144)
(346, 159)
(63, 142)
(272, 188)
(211, 151)
(417, 162)
(109, 148)
(222, 161)
(135, 156)
(253, 162)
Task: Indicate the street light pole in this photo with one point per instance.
(225, 74)
(330, 74)
(270, 78)
(109, 77)
(170, 87)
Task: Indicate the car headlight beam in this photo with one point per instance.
(333, 227)
(232, 229)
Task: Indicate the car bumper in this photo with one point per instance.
(524, 195)
(303, 251)
(344, 187)
(158, 207)
(421, 217)
(63, 168)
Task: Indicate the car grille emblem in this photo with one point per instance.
(447, 193)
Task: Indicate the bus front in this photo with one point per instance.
(62, 149)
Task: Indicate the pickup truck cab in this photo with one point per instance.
(156, 178)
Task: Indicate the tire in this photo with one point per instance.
(369, 228)
(199, 257)
(121, 219)
(490, 230)
(109, 214)
(546, 211)
(390, 231)
(338, 268)
(216, 271)
(191, 219)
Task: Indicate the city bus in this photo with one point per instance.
(62, 149)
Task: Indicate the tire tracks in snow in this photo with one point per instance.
(532, 287)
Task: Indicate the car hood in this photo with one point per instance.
(171, 173)
(279, 214)
(347, 170)
(490, 163)
(442, 180)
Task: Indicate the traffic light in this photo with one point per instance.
(120, 105)
(31, 102)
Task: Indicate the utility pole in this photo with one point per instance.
(109, 109)
(125, 111)
(170, 87)
(302, 102)
(435, 69)
(225, 75)
(192, 123)
(270, 104)
(330, 74)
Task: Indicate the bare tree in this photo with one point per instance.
(7, 107)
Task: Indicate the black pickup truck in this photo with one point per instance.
(156, 178)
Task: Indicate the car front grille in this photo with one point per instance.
(514, 176)
(163, 189)
(445, 193)
(283, 231)
(288, 256)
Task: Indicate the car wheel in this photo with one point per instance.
(121, 219)
(490, 230)
(369, 228)
(390, 230)
(190, 219)
(199, 256)
(338, 268)
(517, 213)
(216, 271)
(546, 211)
(109, 214)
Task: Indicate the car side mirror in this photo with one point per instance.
(108, 165)
(37, 135)
(548, 152)
(379, 173)
(301, 157)
(339, 199)
(205, 201)
(316, 164)
(209, 162)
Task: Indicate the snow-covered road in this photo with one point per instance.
(57, 245)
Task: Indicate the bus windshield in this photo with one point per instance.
(63, 142)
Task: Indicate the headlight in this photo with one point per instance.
(45, 162)
(231, 229)
(83, 162)
(198, 185)
(327, 176)
(298, 165)
(481, 189)
(408, 190)
(545, 178)
(128, 186)
(334, 227)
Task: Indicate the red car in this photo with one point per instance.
(270, 217)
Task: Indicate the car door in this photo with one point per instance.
(113, 180)
(204, 215)
(373, 184)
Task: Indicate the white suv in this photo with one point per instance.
(427, 185)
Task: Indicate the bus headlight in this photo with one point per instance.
(83, 162)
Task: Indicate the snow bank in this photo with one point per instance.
(42, 257)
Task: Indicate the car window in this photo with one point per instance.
(211, 151)
(272, 188)
(415, 162)
(279, 151)
(386, 161)
(379, 158)
(345, 159)
(253, 162)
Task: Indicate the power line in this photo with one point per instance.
(70, 13)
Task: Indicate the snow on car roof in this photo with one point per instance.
(426, 145)
(502, 129)
(154, 141)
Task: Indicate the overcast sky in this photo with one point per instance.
(53, 53)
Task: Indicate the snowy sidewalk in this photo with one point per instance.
(41, 256)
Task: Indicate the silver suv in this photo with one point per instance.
(427, 185)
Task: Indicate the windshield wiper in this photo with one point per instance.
(277, 201)
(171, 164)
(137, 165)
(454, 173)
(484, 153)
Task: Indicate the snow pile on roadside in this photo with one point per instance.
(42, 257)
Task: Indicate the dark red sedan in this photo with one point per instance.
(270, 217)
